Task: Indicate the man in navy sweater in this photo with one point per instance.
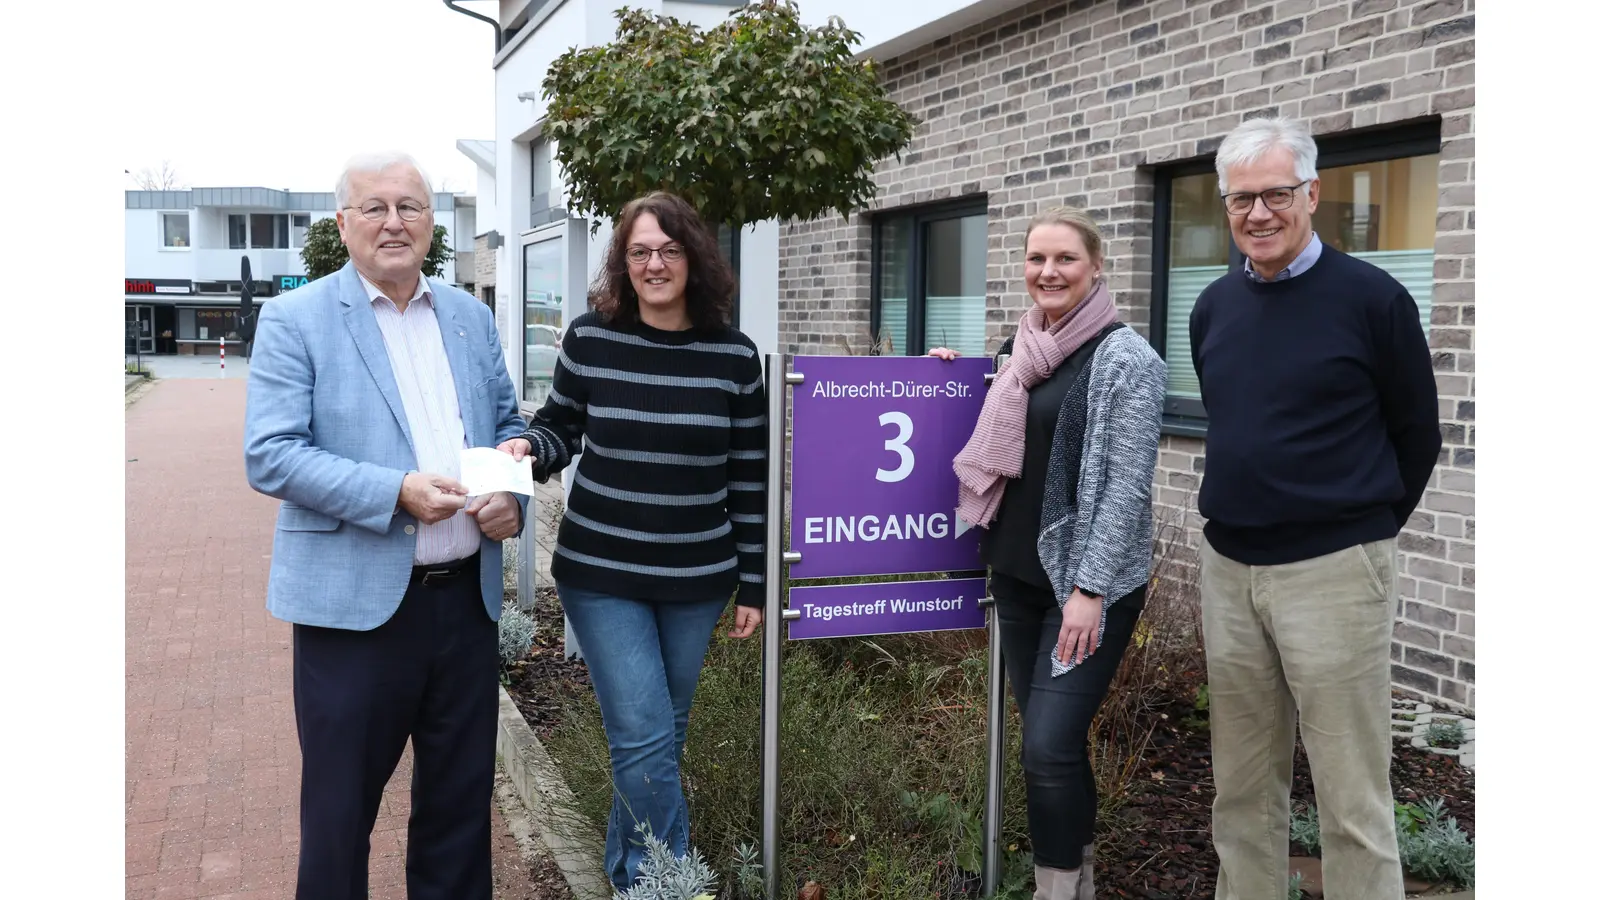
(1323, 431)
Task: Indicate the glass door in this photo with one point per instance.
(542, 315)
(145, 318)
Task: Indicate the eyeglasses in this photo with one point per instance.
(377, 210)
(638, 255)
(1242, 202)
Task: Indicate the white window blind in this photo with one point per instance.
(1412, 268)
(1183, 288)
(957, 323)
(892, 326)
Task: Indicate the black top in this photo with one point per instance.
(669, 500)
(1324, 414)
(1011, 542)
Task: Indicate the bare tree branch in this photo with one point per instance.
(164, 178)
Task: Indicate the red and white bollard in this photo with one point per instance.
(222, 359)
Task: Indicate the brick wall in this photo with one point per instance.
(483, 265)
(1073, 103)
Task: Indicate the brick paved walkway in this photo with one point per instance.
(212, 760)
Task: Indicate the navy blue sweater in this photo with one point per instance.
(1324, 413)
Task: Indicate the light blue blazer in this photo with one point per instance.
(325, 432)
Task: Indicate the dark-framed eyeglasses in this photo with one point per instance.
(377, 210)
(1241, 202)
(639, 255)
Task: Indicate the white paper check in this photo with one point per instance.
(485, 470)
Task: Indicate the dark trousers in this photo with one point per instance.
(1056, 713)
(430, 674)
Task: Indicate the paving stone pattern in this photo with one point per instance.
(213, 765)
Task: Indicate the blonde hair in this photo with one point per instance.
(1076, 219)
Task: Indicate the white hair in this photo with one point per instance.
(1253, 139)
(377, 162)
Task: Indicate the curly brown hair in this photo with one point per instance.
(712, 284)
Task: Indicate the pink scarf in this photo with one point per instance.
(994, 454)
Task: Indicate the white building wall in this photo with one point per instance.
(211, 259)
(144, 255)
(702, 15)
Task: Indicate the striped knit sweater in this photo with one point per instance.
(669, 499)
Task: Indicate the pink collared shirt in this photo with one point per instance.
(433, 411)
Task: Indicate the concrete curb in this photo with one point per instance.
(550, 802)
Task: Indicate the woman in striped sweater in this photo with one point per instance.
(666, 515)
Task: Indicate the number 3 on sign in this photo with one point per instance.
(897, 444)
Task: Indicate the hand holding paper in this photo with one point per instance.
(485, 470)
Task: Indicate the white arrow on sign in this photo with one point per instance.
(961, 525)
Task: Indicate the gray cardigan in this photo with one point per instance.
(1103, 543)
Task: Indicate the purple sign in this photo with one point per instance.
(898, 607)
(873, 490)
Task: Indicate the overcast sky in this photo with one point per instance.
(279, 94)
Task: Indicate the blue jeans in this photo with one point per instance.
(644, 659)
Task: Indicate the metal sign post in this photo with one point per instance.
(772, 636)
(895, 515)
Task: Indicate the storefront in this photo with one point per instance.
(174, 316)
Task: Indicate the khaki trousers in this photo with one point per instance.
(1312, 638)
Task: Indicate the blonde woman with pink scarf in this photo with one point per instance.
(1058, 473)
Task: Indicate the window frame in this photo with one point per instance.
(244, 241)
(557, 234)
(309, 222)
(1185, 417)
(544, 206)
(920, 217)
(161, 218)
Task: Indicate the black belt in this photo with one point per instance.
(437, 574)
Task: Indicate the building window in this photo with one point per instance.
(207, 324)
(544, 205)
(488, 297)
(541, 317)
(175, 230)
(269, 231)
(930, 280)
(299, 223)
(237, 232)
(1379, 201)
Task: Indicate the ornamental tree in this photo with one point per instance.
(757, 118)
(325, 253)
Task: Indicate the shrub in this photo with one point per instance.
(516, 634)
(1448, 733)
(865, 719)
(1432, 845)
(664, 876)
(1436, 848)
(1304, 829)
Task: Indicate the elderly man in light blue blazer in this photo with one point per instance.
(365, 386)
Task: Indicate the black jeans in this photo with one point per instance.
(1056, 713)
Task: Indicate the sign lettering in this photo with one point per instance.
(899, 607)
(873, 488)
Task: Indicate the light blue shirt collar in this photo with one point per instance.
(1307, 258)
